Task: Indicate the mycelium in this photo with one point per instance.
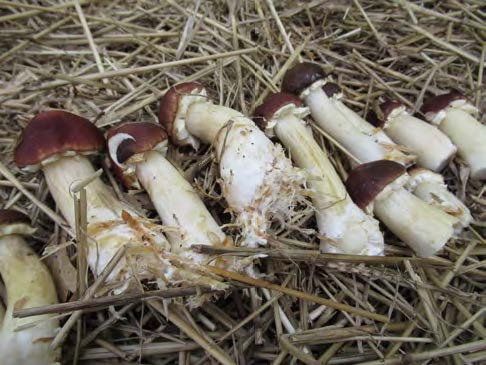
(453, 114)
(308, 80)
(28, 284)
(58, 142)
(431, 188)
(344, 227)
(432, 147)
(378, 186)
(137, 153)
(258, 180)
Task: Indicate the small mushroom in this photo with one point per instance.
(452, 114)
(258, 180)
(433, 148)
(137, 153)
(378, 186)
(345, 227)
(28, 284)
(309, 82)
(431, 188)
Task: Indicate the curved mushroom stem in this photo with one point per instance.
(178, 205)
(424, 228)
(469, 136)
(28, 284)
(258, 180)
(433, 148)
(346, 228)
(431, 188)
(364, 146)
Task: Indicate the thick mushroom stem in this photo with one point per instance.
(178, 205)
(365, 146)
(108, 233)
(469, 135)
(431, 188)
(28, 284)
(345, 227)
(424, 228)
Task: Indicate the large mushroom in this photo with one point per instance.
(378, 186)
(28, 284)
(137, 154)
(433, 148)
(258, 180)
(309, 82)
(431, 188)
(452, 114)
(345, 227)
(58, 142)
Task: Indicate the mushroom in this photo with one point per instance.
(433, 148)
(258, 180)
(378, 186)
(431, 188)
(452, 114)
(345, 227)
(58, 142)
(28, 284)
(137, 154)
(309, 82)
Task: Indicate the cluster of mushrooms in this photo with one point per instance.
(259, 183)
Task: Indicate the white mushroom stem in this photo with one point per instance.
(431, 188)
(424, 228)
(467, 133)
(365, 146)
(28, 284)
(106, 230)
(433, 148)
(345, 227)
(258, 181)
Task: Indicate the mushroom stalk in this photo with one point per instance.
(28, 284)
(365, 146)
(345, 227)
(424, 228)
(431, 188)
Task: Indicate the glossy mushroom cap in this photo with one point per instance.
(173, 107)
(272, 106)
(366, 181)
(383, 111)
(438, 103)
(14, 222)
(56, 133)
(129, 139)
(301, 76)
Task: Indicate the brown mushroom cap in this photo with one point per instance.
(437, 103)
(331, 89)
(366, 181)
(301, 76)
(14, 222)
(55, 132)
(379, 116)
(145, 137)
(170, 102)
(265, 112)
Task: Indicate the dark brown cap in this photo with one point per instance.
(128, 139)
(331, 89)
(170, 103)
(366, 181)
(301, 76)
(14, 222)
(380, 115)
(265, 112)
(437, 103)
(55, 132)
